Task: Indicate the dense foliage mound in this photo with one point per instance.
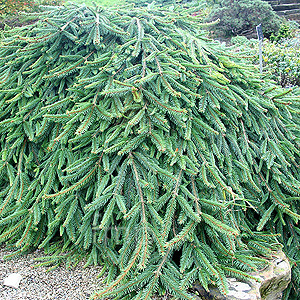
(129, 137)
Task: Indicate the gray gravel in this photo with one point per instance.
(37, 284)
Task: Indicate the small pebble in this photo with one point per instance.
(12, 280)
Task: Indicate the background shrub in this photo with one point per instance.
(286, 30)
(281, 59)
(239, 17)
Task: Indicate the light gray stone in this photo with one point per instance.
(12, 280)
(273, 280)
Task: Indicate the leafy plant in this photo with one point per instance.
(286, 31)
(283, 62)
(281, 59)
(17, 13)
(14, 6)
(129, 137)
(240, 17)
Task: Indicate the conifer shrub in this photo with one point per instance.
(129, 138)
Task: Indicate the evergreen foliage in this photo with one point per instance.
(130, 138)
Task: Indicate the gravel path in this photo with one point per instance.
(36, 284)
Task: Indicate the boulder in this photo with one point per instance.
(273, 280)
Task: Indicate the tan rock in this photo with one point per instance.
(273, 281)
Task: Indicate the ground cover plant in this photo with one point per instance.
(16, 6)
(17, 13)
(129, 138)
(10, 12)
(12, 6)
